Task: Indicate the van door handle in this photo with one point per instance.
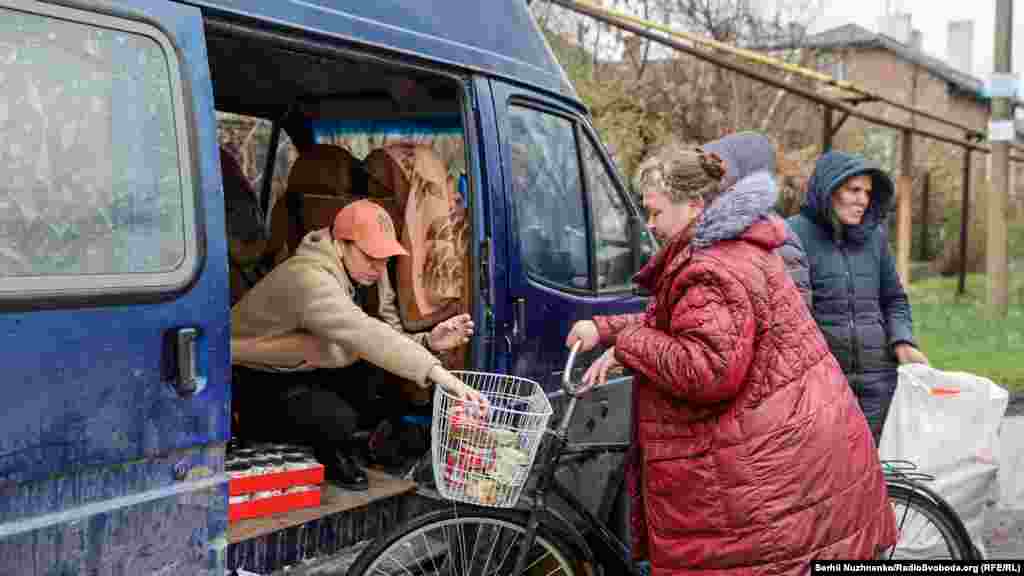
(519, 320)
(188, 382)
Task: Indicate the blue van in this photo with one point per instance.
(119, 233)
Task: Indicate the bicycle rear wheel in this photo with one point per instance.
(467, 542)
(926, 531)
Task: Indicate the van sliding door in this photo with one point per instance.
(113, 289)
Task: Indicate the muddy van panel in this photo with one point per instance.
(105, 467)
(114, 298)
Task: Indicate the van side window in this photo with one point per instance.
(611, 216)
(247, 138)
(548, 197)
(91, 175)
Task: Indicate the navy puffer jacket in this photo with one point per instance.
(857, 297)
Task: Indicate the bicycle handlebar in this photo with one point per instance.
(567, 386)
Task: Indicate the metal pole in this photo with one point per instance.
(757, 58)
(904, 195)
(764, 77)
(826, 130)
(996, 274)
(925, 253)
(965, 204)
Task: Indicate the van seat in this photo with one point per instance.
(323, 175)
(247, 237)
(432, 281)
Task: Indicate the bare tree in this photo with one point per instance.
(643, 95)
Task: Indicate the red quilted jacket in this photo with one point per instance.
(751, 453)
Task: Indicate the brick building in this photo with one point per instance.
(893, 65)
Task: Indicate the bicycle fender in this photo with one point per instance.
(944, 507)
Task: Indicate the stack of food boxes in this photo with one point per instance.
(271, 478)
(485, 462)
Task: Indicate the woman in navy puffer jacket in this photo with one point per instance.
(857, 298)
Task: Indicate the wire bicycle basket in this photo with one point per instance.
(486, 458)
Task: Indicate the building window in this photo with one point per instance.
(880, 146)
(833, 65)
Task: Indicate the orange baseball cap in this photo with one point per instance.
(368, 225)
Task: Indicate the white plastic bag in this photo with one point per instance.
(947, 424)
(1011, 464)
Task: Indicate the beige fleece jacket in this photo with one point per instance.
(311, 292)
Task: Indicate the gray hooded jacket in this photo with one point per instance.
(858, 299)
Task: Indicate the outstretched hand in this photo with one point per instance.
(458, 388)
(908, 354)
(451, 333)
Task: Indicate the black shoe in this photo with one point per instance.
(342, 470)
(377, 445)
(396, 447)
(422, 472)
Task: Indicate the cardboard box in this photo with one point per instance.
(275, 504)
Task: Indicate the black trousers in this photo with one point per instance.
(874, 392)
(320, 408)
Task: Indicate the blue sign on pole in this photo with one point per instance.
(1002, 85)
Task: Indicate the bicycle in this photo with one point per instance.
(490, 540)
(929, 527)
(499, 541)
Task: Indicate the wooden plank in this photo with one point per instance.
(334, 500)
(904, 194)
(926, 190)
(904, 191)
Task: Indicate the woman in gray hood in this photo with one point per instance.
(748, 154)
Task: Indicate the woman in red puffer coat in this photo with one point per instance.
(751, 455)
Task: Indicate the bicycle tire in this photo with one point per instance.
(379, 559)
(956, 545)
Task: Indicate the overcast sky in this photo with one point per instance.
(931, 17)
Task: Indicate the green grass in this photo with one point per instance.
(957, 336)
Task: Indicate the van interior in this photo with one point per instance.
(304, 130)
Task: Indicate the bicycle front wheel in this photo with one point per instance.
(473, 542)
(926, 531)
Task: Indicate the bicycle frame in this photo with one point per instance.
(551, 454)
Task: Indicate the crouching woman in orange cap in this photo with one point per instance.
(305, 319)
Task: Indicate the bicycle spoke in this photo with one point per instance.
(899, 529)
(507, 551)
(416, 557)
(430, 552)
(452, 560)
(555, 571)
(391, 557)
(462, 550)
(476, 540)
(534, 563)
(490, 553)
(475, 546)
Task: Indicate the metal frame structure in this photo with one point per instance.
(702, 48)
